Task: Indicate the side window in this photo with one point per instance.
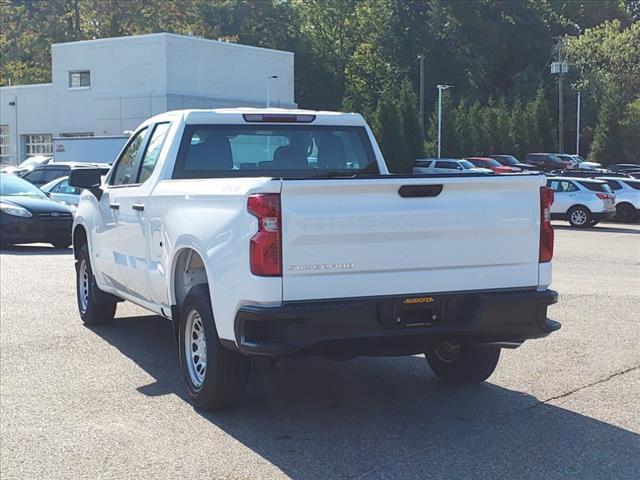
(53, 173)
(614, 185)
(127, 168)
(554, 185)
(449, 165)
(152, 152)
(64, 187)
(569, 187)
(34, 176)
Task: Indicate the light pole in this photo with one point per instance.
(421, 59)
(578, 125)
(269, 78)
(440, 89)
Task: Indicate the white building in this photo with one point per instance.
(104, 87)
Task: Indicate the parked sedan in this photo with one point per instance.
(582, 202)
(491, 164)
(446, 165)
(548, 161)
(578, 162)
(27, 215)
(511, 161)
(59, 189)
(627, 197)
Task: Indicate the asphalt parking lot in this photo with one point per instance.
(108, 402)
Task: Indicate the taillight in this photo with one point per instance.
(604, 196)
(546, 230)
(265, 250)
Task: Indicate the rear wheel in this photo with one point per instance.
(462, 364)
(579, 216)
(95, 306)
(625, 212)
(216, 377)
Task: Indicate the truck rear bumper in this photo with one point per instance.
(394, 325)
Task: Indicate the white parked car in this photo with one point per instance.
(627, 193)
(269, 232)
(59, 189)
(581, 163)
(583, 202)
(447, 165)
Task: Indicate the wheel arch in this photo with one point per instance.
(79, 239)
(188, 269)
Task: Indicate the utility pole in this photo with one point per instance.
(421, 58)
(578, 124)
(269, 78)
(440, 89)
(560, 68)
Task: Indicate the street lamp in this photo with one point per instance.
(440, 89)
(269, 78)
(578, 125)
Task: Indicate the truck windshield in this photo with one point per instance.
(286, 151)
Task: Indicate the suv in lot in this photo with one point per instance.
(447, 165)
(43, 174)
(548, 162)
(582, 202)
(627, 197)
(269, 232)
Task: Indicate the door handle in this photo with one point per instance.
(139, 207)
(413, 191)
(114, 206)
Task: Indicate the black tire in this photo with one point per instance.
(625, 212)
(462, 365)
(98, 307)
(579, 216)
(593, 223)
(226, 372)
(61, 244)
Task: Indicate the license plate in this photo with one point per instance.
(417, 311)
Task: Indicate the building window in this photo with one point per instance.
(80, 79)
(77, 134)
(38, 145)
(4, 145)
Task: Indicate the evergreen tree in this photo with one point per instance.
(542, 131)
(390, 137)
(519, 133)
(608, 141)
(412, 131)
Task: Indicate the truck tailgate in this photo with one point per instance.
(359, 237)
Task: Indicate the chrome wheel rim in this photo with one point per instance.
(446, 352)
(579, 217)
(195, 348)
(83, 285)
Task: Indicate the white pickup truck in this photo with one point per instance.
(280, 232)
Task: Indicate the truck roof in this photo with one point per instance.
(235, 116)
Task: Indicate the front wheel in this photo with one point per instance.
(216, 377)
(95, 306)
(579, 216)
(462, 364)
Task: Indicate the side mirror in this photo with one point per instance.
(88, 178)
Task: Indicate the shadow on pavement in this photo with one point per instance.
(34, 250)
(599, 228)
(390, 418)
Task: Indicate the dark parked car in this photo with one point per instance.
(547, 161)
(43, 174)
(27, 215)
(511, 161)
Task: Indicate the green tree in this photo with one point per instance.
(608, 140)
(540, 127)
(389, 133)
(412, 132)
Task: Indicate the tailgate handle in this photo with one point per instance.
(412, 191)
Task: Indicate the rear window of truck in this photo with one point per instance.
(285, 151)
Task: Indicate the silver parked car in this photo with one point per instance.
(627, 192)
(446, 165)
(583, 202)
(59, 189)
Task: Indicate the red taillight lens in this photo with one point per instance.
(265, 251)
(603, 196)
(546, 230)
